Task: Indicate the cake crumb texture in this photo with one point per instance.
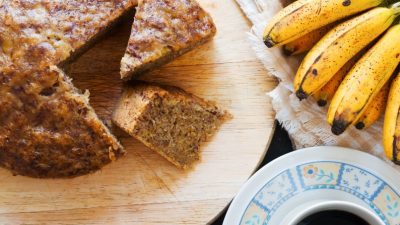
(168, 120)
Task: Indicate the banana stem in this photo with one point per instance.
(396, 8)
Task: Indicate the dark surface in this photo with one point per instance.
(333, 217)
(280, 145)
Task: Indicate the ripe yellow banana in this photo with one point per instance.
(303, 16)
(364, 81)
(374, 110)
(326, 93)
(338, 46)
(306, 42)
(391, 126)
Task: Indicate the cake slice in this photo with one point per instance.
(163, 30)
(48, 129)
(168, 120)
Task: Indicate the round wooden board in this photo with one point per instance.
(142, 187)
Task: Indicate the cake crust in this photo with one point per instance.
(163, 30)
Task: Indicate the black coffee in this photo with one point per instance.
(333, 217)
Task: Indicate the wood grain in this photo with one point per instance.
(143, 188)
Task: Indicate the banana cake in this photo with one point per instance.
(163, 30)
(168, 120)
(47, 127)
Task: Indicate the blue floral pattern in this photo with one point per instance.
(275, 190)
(254, 220)
(389, 201)
(392, 206)
(314, 175)
(364, 185)
(360, 181)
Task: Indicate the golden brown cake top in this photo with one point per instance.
(164, 26)
(47, 129)
(34, 32)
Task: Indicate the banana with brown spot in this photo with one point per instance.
(365, 81)
(374, 110)
(391, 126)
(326, 93)
(304, 16)
(338, 46)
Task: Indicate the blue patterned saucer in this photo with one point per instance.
(315, 179)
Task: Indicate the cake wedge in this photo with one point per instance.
(168, 120)
(163, 30)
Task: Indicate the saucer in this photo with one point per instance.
(316, 179)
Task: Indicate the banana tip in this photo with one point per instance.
(301, 95)
(322, 103)
(338, 127)
(360, 125)
(269, 42)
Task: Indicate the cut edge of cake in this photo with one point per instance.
(53, 144)
(117, 149)
(137, 100)
(128, 73)
(75, 54)
(164, 38)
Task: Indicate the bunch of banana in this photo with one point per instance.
(303, 16)
(337, 47)
(365, 81)
(354, 50)
(391, 127)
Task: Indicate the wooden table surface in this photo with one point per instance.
(143, 188)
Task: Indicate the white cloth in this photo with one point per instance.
(305, 121)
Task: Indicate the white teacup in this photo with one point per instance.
(310, 181)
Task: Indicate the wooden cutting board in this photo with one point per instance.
(143, 188)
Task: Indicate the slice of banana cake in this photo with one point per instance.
(163, 30)
(168, 120)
